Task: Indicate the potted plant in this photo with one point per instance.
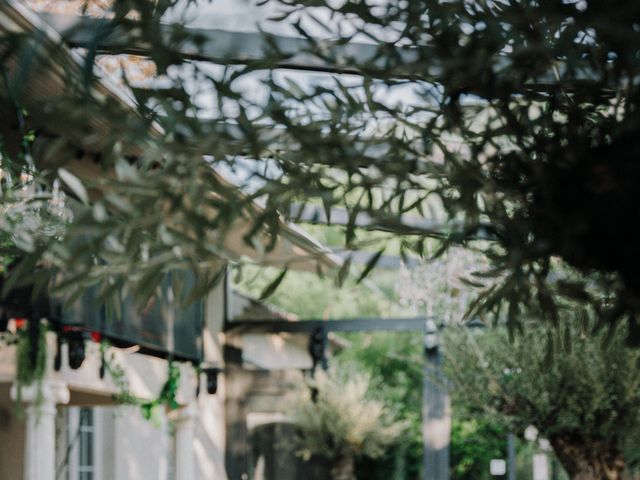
(337, 418)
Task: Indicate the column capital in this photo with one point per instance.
(48, 392)
(40, 439)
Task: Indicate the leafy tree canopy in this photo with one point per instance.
(584, 402)
(511, 121)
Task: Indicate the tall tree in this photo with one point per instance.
(583, 399)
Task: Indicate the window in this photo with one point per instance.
(86, 436)
(77, 446)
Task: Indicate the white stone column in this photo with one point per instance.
(185, 436)
(40, 444)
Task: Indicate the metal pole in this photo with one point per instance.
(436, 413)
(511, 457)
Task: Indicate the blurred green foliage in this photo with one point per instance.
(474, 443)
(394, 361)
(308, 296)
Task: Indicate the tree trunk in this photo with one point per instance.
(343, 468)
(584, 460)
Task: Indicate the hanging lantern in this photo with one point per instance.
(212, 379)
(75, 341)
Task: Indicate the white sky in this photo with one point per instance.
(236, 15)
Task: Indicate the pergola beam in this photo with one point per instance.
(385, 262)
(225, 47)
(406, 224)
(229, 48)
(415, 324)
